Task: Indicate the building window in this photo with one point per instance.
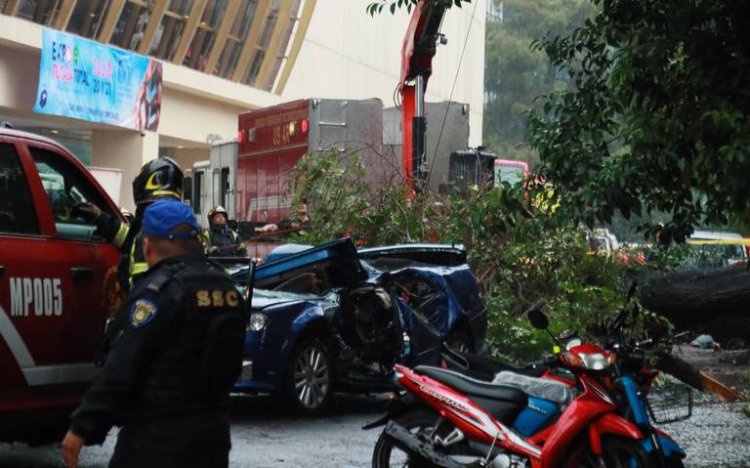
(132, 24)
(39, 11)
(278, 56)
(167, 36)
(252, 73)
(265, 37)
(281, 55)
(86, 18)
(269, 23)
(17, 212)
(180, 7)
(236, 38)
(203, 41)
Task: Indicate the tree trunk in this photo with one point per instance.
(716, 302)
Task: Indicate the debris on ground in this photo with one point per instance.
(728, 368)
(705, 342)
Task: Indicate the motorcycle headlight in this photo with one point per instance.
(590, 361)
(258, 321)
(597, 361)
(573, 342)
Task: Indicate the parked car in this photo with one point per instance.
(716, 249)
(332, 318)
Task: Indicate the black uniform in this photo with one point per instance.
(226, 240)
(173, 354)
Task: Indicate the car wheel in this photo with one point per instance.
(459, 341)
(308, 383)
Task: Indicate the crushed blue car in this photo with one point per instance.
(334, 318)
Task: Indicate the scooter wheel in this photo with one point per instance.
(416, 421)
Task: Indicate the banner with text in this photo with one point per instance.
(90, 81)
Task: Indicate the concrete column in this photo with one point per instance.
(126, 150)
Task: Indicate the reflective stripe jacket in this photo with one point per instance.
(226, 241)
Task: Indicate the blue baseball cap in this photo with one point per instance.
(163, 216)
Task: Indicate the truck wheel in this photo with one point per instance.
(308, 382)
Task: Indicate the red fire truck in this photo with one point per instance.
(57, 285)
(272, 140)
(424, 144)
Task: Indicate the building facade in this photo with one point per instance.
(222, 57)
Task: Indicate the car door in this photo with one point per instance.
(57, 281)
(84, 258)
(23, 244)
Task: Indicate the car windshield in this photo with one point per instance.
(713, 255)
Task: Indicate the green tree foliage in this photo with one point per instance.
(656, 119)
(393, 5)
(520, 254)
(515, 74)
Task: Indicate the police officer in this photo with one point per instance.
(175, 351)
(221, 241)
(157, 179)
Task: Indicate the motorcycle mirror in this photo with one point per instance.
(538, 319)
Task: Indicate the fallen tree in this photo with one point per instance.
(716, 302)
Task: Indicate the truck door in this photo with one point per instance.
(86, 261)
(20, 237)
(58, 281)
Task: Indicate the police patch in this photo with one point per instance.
(142, 313)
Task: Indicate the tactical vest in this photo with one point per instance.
(200, 362)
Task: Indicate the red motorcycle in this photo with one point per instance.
(449, 419)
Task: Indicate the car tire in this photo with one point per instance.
(459, 341)
(309, 383)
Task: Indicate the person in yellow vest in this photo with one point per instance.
(220, 239)
(158, 179)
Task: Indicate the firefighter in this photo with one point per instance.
(174, 353)
(220, 239)
(157, 179)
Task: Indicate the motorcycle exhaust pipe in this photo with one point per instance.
(407, 442)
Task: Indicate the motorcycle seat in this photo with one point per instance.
(473, 387)
(546, 389)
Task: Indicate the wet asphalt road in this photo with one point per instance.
(264, 435)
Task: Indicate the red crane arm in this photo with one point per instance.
(420, 42)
